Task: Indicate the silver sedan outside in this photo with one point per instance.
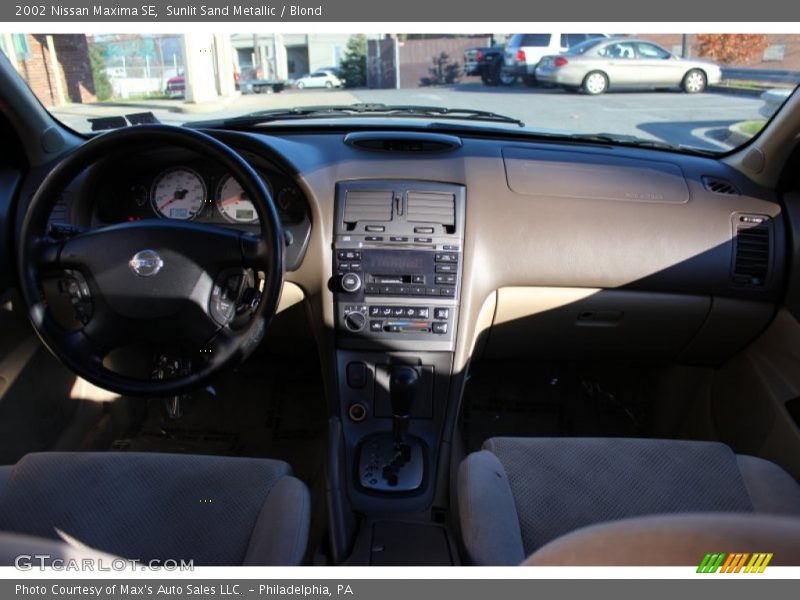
(598, 65)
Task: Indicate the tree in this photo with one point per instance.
(443, 72)
(731, 48)
(354, 62)
(102, 85)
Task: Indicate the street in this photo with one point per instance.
(699, 120)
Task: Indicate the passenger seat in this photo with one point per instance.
(606, 501)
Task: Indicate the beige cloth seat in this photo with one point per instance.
(212, 510)
(583, 501)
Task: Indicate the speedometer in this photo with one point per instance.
(233, 202)
(178, 193)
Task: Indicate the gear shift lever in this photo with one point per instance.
(402, 392)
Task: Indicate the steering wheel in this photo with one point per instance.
(155, 282)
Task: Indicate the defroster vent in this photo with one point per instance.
(720, 186)
(752, 248)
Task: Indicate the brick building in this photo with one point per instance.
(782, 51)
(56, 67)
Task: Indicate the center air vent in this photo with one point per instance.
(367, 205)
(752, 250)
(432, 207)
(719, 186)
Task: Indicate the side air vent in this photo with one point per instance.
(432, 207)
(720, 186)
(60, 213)
(402, 142)
(367, 205)
(752, 250)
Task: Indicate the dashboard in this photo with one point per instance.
(580, 247)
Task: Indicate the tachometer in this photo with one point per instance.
(233, 203)
(178, 193)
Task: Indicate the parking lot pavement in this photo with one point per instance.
(699, 121)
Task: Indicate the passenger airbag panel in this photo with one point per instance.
(592, 175)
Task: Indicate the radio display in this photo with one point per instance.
(393, 262)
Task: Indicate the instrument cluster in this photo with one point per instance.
(193, 190)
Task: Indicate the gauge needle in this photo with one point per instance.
(165, 204)
(230, 200)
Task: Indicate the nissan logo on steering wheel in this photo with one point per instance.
(146, 263)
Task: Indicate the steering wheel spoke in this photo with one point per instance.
(47, 253)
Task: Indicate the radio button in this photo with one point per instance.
(450, 292)
(388, 290)
(446, 279)
(373, 238)
(423, 229)
(417, 291)
(349, 255)
(418, 279)
(421, 240)
(432, 291)
(441, 268)
(375, 228)
(446, 257)
(356, 266)
(371, 288)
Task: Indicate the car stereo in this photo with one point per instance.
(397, 261)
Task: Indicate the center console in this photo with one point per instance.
(397, 264)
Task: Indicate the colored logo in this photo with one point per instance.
(737, 562)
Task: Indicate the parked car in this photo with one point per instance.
(320, 79)
(176, 87)
(525, 50)
(597, 65)
(488, 64)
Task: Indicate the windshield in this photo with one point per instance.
(697, 92)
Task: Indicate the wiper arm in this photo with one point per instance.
(632, 140)
(362, 109)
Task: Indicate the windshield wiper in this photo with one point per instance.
(359, 110)
(622, 139)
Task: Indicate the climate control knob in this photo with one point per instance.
(350, 282)
(355, 321)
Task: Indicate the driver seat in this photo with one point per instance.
(218, 511)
